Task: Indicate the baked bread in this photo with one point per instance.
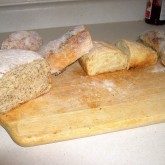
(24, 75)
(156, 40)
(26, 40)
(153, 39)
(162, 55)
(103, 57)
(138, 55)
(64, 51)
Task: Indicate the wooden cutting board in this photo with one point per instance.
(79, 105)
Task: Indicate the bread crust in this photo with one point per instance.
(162, 55)
(138, 55)
(152, 38)
(64, 51)
(156, 40)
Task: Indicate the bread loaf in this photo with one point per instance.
(24, 75)
(103, 57)
(162, 55)
(153, 39)
(156, 40)
(64, 51)
(138, 55)
(26, 40)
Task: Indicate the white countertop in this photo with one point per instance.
(139, 146)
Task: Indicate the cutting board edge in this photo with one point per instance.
(25, 142)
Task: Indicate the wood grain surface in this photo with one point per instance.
(79, 105)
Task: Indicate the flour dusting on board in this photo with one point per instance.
(106, 84)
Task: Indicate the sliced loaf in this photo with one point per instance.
(138, 55)
(24, 75)
(64, 51)
(103, 57)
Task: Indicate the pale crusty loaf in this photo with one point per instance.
(104, 57)
(156, 40)
(153, 39)
(25, 40)
(138, 55)
(64, 51)
(24, 75)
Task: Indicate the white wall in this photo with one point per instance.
(34, 14)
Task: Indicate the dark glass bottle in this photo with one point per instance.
(155, 12)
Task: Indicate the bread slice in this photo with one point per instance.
(64, 51)
(24, 75)
(138, 55)
(104, 57)
(25, 40)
